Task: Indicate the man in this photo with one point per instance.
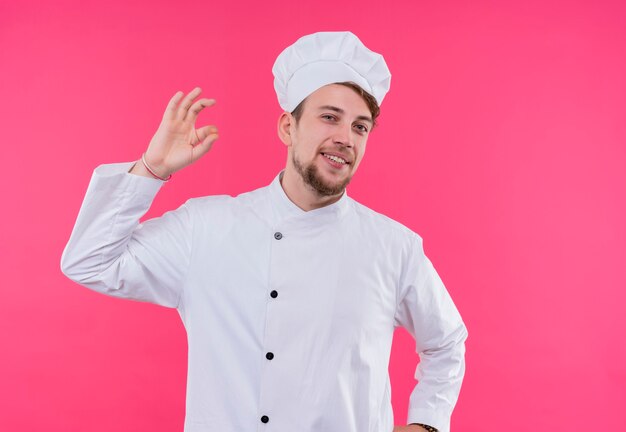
(290, 293)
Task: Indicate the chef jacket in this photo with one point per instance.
(289, 314)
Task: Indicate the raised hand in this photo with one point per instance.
(177, 143)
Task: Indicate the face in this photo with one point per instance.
(328, 142)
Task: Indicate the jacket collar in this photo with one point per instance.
(285, 210)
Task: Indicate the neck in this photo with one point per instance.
(303, 195)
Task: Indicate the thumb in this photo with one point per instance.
(207, 136)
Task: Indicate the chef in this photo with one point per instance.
(290, 293)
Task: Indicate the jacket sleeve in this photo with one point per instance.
(109, 251)
(426, 311)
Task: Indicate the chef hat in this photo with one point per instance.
(324, 58)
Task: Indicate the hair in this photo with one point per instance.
(370, 101)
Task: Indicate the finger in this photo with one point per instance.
(202, 133)
(170, 110)
(186, 103)
(200, 150)
(195, 109)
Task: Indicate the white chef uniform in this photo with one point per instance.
(289, 314)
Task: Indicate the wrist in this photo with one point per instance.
(155, 164)
(145, 169)
(139, 169)
(155, 167)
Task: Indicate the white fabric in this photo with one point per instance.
(345, 275)
(322, 58)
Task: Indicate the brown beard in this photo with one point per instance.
(312, 178)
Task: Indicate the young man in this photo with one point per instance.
(290, 293)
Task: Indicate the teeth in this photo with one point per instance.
(335, 158)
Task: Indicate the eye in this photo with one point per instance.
(328, 116)
(361, 128)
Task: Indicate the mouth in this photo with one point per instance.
(340, 160)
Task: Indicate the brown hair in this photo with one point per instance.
(370, 101)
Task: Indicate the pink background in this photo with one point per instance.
(502, 142)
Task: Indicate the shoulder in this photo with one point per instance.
(216, 204)
(379, 222)
(209, 202)
(395, 243)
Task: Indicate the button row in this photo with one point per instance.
(273, 294)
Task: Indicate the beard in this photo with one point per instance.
(311, 177)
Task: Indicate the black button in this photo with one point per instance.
(269, 355)
(265, 419)
(274, 294)
(278, 236)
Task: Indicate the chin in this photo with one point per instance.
(322, 182)
(327, 187)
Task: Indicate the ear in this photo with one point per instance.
(285, 122)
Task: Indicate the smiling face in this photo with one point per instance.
(327, 143)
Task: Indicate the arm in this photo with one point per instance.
(109, 251)
(428, 313)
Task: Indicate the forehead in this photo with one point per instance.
(339, 96)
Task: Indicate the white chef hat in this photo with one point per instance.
(318, 59)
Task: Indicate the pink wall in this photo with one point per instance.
(502, 142)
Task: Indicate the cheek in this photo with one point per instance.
(306, 150)
(360, 153)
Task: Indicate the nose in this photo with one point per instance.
(343, 136)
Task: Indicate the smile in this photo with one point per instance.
(335, 158)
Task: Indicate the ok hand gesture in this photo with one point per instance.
(177, 143)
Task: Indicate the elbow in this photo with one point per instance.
(73, 267)
(69, 268)
(79, 271)
(458, 339)
(463, 332)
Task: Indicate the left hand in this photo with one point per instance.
(409, 428)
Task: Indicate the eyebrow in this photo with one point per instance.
(340, 111)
